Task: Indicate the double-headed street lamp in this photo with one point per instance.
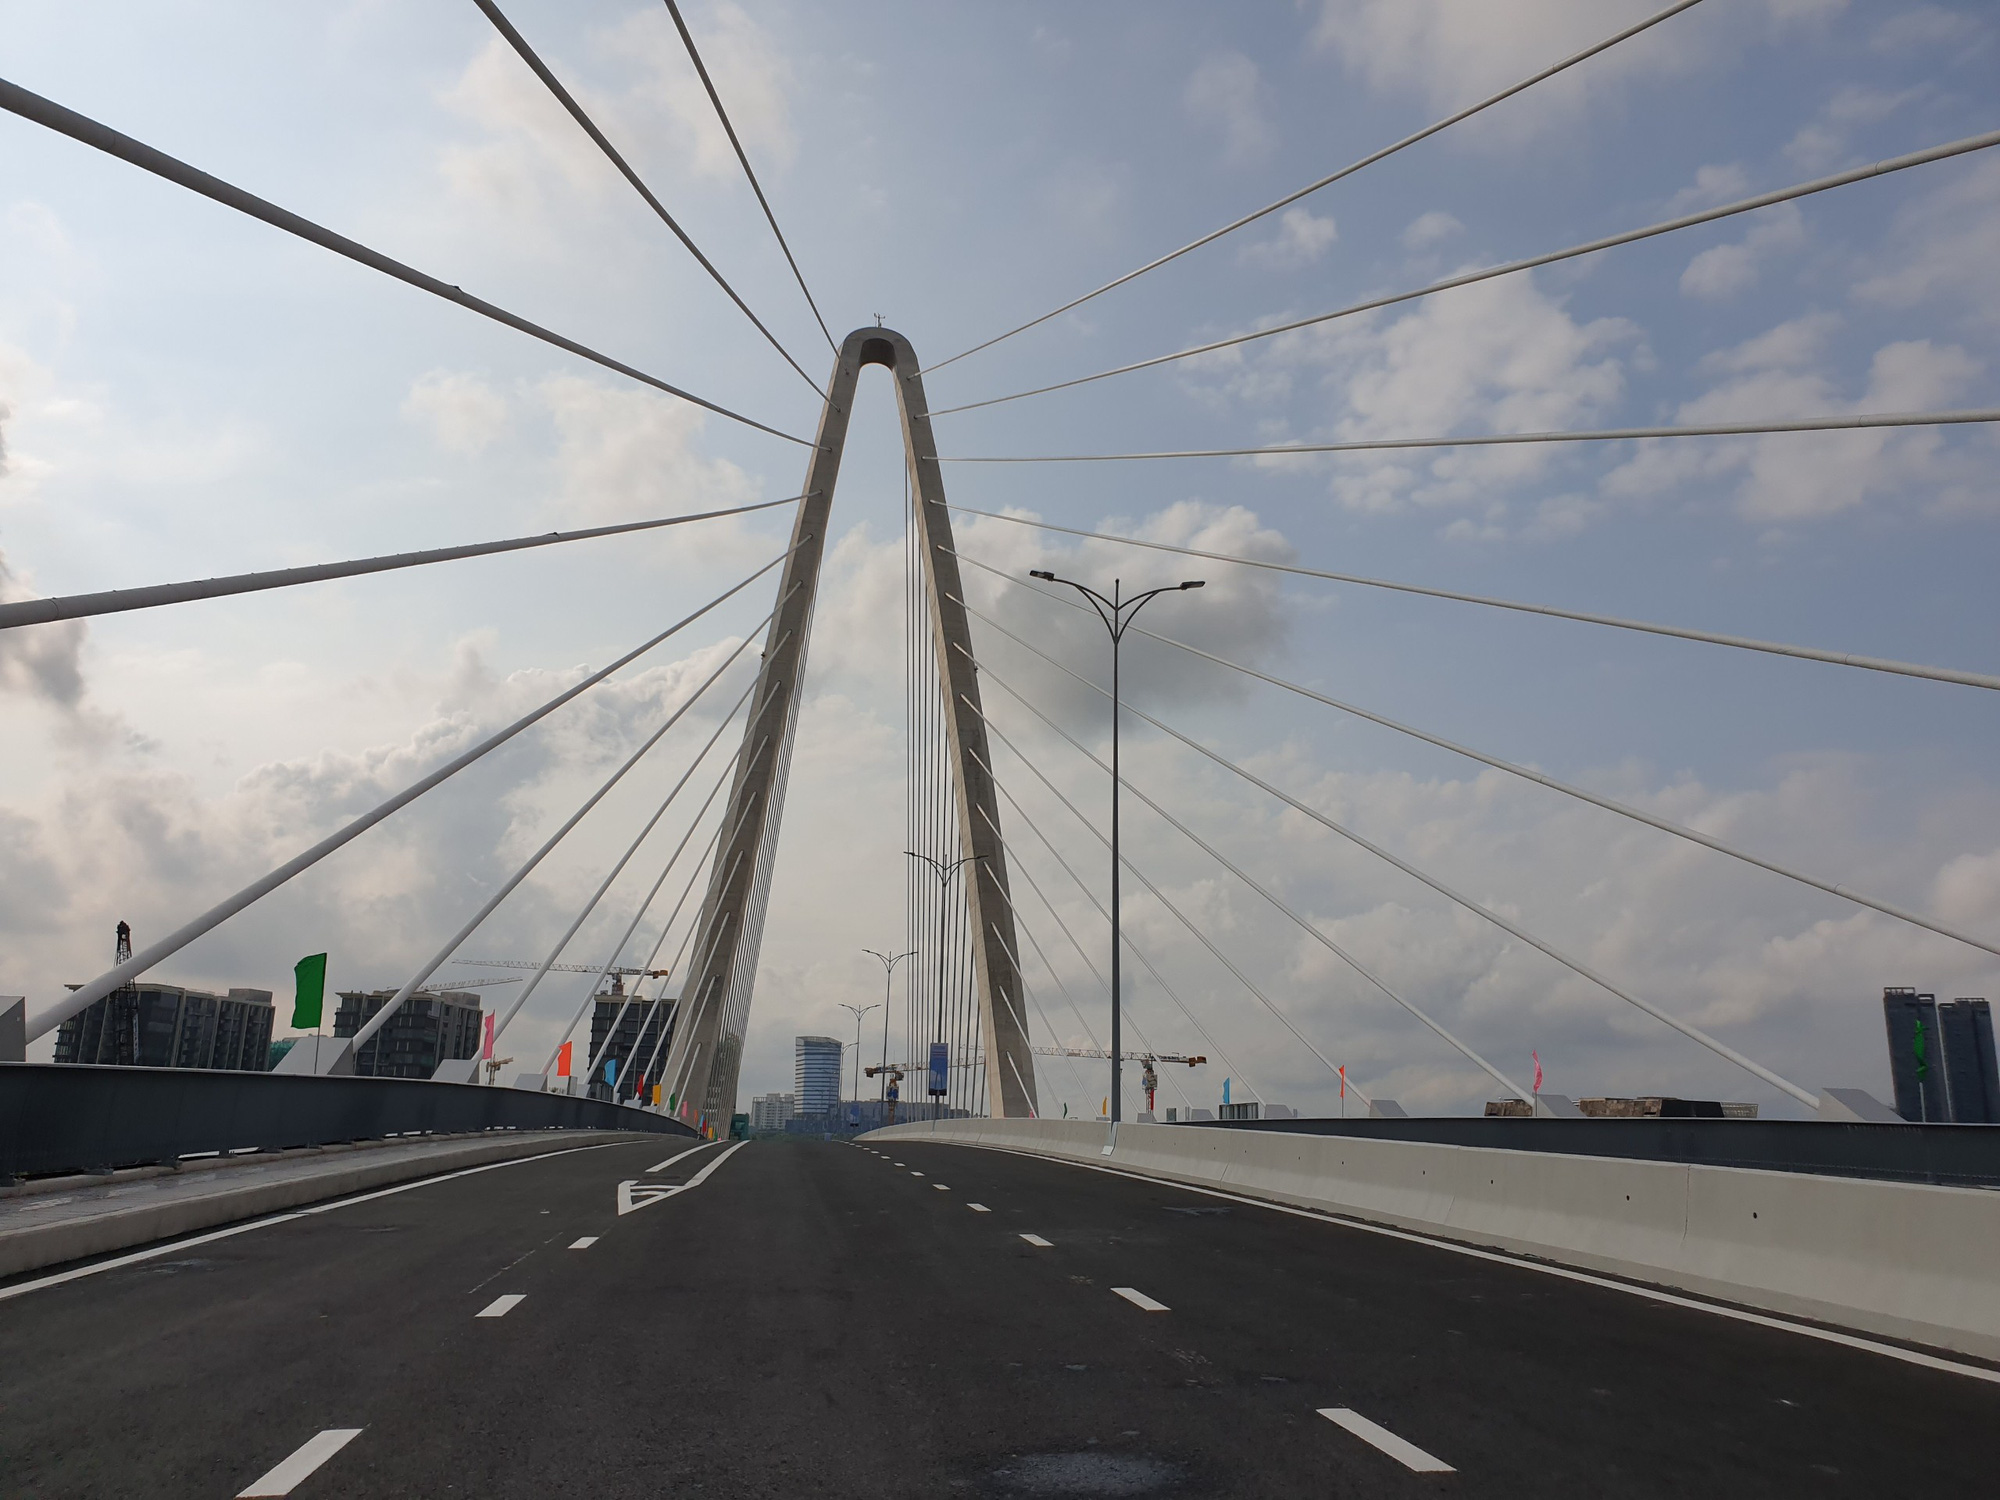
(859, 1012)
(944, 872)
(1117, 613)
(888, 970)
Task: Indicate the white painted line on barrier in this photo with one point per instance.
(1632, 1289)
(1139, 1299)
(172, 1247)
(979, 1208)
(1409, 1455)
(585, 1243)
(661, 1166)
(1039, 1243)
(499, 1307)
(314, 1452)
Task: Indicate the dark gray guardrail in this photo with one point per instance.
(1952, 1155)
(58, 1117)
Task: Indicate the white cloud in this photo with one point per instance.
(1721, 271)
(1431, 229)
(1799, 477)
(1940, 247)
(1499, 356)
(1824, 140)
(1225, 93)
(464, 413)
(45, 661)
(1717, 182)
(1927, 26)
(1303, 237)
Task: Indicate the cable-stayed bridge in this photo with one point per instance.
(1038, 1283)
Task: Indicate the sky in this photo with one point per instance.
(186, 392)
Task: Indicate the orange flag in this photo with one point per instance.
(562, 1059)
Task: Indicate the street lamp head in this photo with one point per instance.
(1195, 583)
(1042, 574)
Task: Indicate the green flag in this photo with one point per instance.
(311, 976)
(1917, 1047)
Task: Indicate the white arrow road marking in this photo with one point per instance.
(661, 1166)
(1409, 1455)
(633, 1194)
(316, 1451)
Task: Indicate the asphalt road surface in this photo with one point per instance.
(815, 1319)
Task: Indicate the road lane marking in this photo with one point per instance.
(633, 1194)
(979, 1208)
(663, 1165)
(499, 1307)
(940, 1187)
(1650, 1294)
(315, 1451)
(1041, 1244)
(174, 1247)
(1408, 1454)
(585, 1243)
(1138, 1298)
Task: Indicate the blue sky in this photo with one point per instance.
(189, 392)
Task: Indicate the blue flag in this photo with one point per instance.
(611, 1070)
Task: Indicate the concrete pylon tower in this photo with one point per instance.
(716, 989)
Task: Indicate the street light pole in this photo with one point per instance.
(1117, 613)
(944, 872)
(888, 971)
(859, 1012)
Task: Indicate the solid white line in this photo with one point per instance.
(979, 1208)
(314, 1452)
(1409, 1455)
(170, 1247)
(1651, 1294)
(585, 1243)
(1137, 1298)
(1037, 1241)
(499, 1307)
(661, 1166)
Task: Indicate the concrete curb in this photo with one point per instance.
(31, 1248)
(1907, 1261)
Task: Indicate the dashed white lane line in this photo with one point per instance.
(499, 1307)
(315, 1451)
(899, 1164)
(1041, 1244)
(1408, 1454)
(979, 1208)
(940, 1187)
(585, 1243)
(913, 1171)
(1140, 1300)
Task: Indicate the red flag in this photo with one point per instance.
(486, 1048)
(562, 1059)
(1538, 1070)
(1343, 1080)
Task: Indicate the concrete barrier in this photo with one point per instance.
(1909, 1261)
(207, 1199)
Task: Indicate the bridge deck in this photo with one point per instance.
(812, 1319)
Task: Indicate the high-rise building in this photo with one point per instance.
(428, 1028)
(631, 1050)
(167, 1026)
(1916, 1058)
(816, 1065)
(1971, 1078)
(772, 1111)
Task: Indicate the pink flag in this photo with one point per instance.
(486, 1050)
(1538, 1070)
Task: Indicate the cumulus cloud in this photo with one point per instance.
(1225, 93)
(1939, 249)
(1429, 230)
(1785, 372)
(1721, 271)
(1303, 237)
(43, 661)
(463, 413)
(1499, 356)
(1717, 182)
(1823, 141)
